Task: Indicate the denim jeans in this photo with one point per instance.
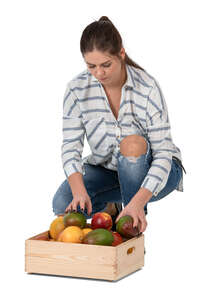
(104, 185)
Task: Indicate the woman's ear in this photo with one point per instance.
(122, 53)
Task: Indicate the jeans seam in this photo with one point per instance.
(122, 195)
(178, 172)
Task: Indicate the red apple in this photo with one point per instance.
(101, 220)
(117, 238)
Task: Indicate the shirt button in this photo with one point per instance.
(118, 132)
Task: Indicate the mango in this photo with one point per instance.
(42, 236)
(71, 234)
(86, 230)
(56, 227)
(101, 220)
(74, 219)
(99, 236)
(117, 238)
(125, 227)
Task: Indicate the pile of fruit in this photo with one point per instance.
(73, 228)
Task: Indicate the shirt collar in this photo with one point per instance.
(129, 81)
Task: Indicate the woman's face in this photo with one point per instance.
(105, 67)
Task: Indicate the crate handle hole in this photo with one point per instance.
(130, 250)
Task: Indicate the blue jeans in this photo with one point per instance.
(104, 185)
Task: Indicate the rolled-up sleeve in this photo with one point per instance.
(159, 135)
(73, 134)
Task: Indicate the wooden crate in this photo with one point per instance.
(81, 260)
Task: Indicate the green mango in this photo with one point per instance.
(99, 236)
(74, 219)
(124, 226)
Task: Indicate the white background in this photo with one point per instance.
(39, 55)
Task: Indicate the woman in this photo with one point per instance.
(122, 110)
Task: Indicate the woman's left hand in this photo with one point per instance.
(136, 211)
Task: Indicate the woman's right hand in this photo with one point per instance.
(81, 199)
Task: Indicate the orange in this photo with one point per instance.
(72, 234)
(86, 230)
(56, 227)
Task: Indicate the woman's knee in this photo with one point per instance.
(133, 145)
(60, 203)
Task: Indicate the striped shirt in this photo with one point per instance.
(143, 111)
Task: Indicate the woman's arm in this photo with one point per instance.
(72, 148)
(142, 196)
(77, 184)
(73, 134)
(159, 135)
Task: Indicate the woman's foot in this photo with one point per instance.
(110, 209)
(118, 209)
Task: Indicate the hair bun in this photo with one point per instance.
(104, 18)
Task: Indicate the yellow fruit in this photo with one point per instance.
(56, 227)
(59, 237)
(86, 230)
(72, 234)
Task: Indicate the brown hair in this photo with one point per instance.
(103, 36)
